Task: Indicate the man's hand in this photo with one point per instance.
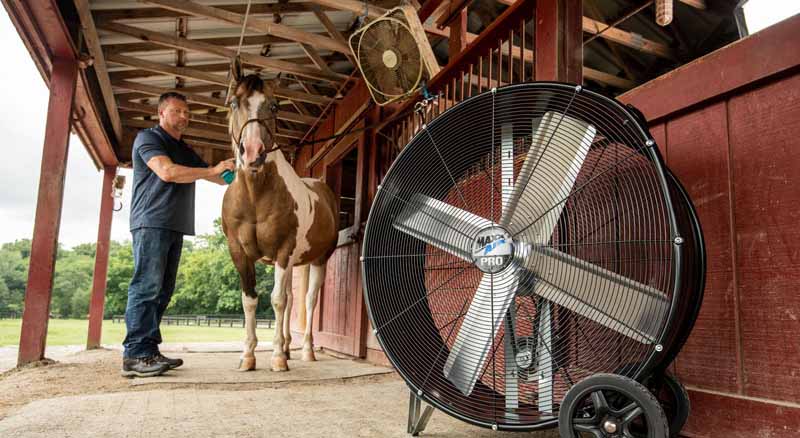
(229, 164)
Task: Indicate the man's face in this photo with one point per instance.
(175, 115)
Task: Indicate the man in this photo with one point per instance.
(162, 212)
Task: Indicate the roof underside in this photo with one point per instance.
(151, 47)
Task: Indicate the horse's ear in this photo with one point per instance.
(236, 69)
(269, 88)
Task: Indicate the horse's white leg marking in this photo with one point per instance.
(278, 305)
(315, 278)
(287, 321)
(248, 361)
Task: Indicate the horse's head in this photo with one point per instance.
(252, 122)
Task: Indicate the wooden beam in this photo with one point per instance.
(152, 110)
(251, 40)
(194, 132)
(313, 54)
(93, 43)
(297, 118)
(627, 38)
(458, 34)
(697, 4)
(330, 27)
(606, 78)
(186, 72)
(99, 276)
(281, 92)
(558, 41)
(38, 292)
(158, 91)
(219, 103)
(139, 14)
(273, 65)
(254, 23)
(454, 9)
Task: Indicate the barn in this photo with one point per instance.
(720, 103)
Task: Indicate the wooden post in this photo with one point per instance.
(33, 336)
(559, 41)
(458, 35)
(101, 261)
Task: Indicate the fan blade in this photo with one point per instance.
(617, 302)
(561, 144)
(441, 225)
(475, 337)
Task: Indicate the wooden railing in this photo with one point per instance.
(501, 55)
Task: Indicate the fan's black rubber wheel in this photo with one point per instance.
(611, 406)
(674, 400)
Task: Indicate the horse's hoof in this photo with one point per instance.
(279, 364)
(247, 364)
(308, 356)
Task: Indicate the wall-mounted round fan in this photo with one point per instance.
(529, 255)
(393, 54)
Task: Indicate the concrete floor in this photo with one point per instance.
(208, 398)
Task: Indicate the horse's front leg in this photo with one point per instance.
(316, 277)
(287, 313)
(279, 358)
(247, 277)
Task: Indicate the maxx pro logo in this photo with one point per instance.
(492, 249)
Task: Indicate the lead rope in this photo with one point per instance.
(238, 50)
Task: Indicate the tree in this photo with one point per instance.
(13, 277)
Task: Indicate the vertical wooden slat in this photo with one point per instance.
(101, 260)
(489, 72)
(455, 90)
(33, 336)
(511, 56)
(480, 75)
(469, 81)
(522, 50)
(499, 63)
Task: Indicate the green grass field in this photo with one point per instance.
(73, 332)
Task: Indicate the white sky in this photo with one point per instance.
(26, 96)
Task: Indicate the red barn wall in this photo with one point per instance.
(728, 127)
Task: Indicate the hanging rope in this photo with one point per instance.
(238, 50)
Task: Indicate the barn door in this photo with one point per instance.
(340, 316)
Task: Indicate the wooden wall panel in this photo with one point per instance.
(766, 165)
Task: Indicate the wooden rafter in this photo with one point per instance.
(194, 132)
(281, 92)
(625, 38)
(248, 58)
(254, 23)
(157, 12)
(93, 43)
(210, 101)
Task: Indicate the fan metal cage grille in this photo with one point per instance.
(388, 57)
(596, 281)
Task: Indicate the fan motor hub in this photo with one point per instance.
(492, 249)
(390, 59)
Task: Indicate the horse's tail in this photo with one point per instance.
(302, 291)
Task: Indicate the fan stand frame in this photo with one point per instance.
(417, 417)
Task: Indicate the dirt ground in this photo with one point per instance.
(84, 395)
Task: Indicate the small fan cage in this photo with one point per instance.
(606, 271)
(389, 58)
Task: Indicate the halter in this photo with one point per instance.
(261, 121)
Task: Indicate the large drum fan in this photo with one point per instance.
(530, 262)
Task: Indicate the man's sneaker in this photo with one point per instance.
(143, 367)
(173, 363)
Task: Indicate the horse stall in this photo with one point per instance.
(720, 105)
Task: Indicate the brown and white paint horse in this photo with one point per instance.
(271, 215)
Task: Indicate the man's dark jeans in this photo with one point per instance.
(156, 254)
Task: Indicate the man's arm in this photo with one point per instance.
(168, 171)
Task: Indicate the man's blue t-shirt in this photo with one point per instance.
(159, 204)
